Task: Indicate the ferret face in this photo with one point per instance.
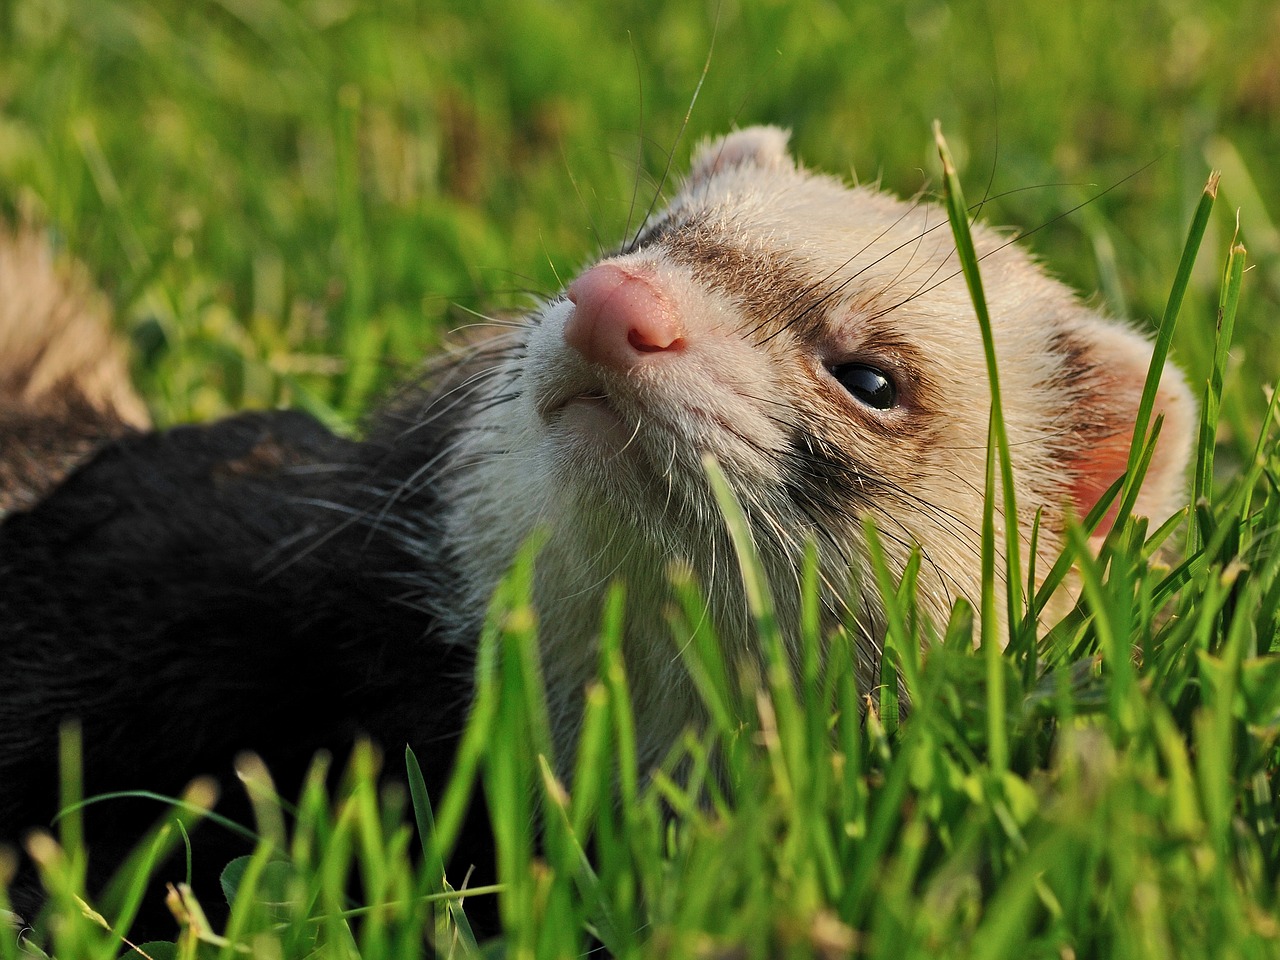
(819, 342)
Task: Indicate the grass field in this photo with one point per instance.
(288, 203)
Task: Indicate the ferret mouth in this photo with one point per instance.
(588, 425)
(551, 408)
(591, 412)
(573, 393)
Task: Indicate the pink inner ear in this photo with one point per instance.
(1097, 470)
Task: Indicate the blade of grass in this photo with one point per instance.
(999, 439)
(1164, 337)
(1229, 300)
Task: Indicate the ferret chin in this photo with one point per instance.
(263, 584)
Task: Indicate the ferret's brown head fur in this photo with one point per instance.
(819, 341)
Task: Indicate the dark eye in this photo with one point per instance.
(867, 385)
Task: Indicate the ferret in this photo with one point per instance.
(262, 584)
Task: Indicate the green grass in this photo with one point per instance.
(288, 203)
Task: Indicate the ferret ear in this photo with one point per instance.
(763, 147)
(1105, 368)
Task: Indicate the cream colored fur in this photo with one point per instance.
(1070, 380)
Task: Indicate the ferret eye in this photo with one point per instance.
(867, 385)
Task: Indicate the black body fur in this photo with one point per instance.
(191, 594)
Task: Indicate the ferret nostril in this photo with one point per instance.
(651, 341)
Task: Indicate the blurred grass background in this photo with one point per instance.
(288, 201)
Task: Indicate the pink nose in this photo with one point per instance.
(620, 317)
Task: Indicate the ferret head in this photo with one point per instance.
(819, 342)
